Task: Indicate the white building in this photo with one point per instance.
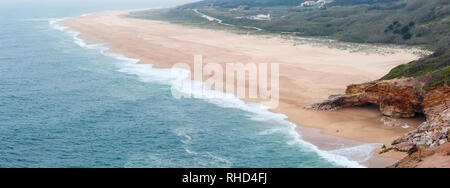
(308, 4)
(261, 17)
(315, 3)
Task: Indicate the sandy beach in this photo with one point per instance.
(308, 74)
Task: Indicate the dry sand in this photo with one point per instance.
(308, 74)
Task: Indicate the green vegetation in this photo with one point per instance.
(178, 16)
(249, 3)
(385, 150)
(436, 65)
(439, 77)
(357, 2)
(272, 3)
(404, 22)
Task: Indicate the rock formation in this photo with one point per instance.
(437, 157)
(402, 98)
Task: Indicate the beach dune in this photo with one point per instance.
(308, 73)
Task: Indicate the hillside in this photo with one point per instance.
(409, 22)
(403, 22)
(435, 66)
(237, 3)
(269, 3)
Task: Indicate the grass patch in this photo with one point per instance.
(405, 22)
(437, 64)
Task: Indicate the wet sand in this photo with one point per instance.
(308, 74)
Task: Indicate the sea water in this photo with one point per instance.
(67, 103)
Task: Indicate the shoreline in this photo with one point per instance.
(338, 125)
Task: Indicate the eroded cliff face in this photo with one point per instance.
(402, 98)
(434, 132)
(399, 98)
(436, 157)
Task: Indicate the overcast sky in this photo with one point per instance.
(68, 8)
(103, 3)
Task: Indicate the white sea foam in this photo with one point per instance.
(147, 73)
(202, 158)
(84, 15)
(55, 24)
(361, 153)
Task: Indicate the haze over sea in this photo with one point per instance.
(65, 103)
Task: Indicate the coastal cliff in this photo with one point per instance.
(419, 87)
(400, 98)
(437, 157)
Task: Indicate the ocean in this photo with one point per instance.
(67, 103)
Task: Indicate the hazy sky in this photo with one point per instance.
(69, 8)
(91, 3)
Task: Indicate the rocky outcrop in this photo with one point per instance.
(392, 122)
(399, 98)
(402, 98)
(434, 132)
(437, 157)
